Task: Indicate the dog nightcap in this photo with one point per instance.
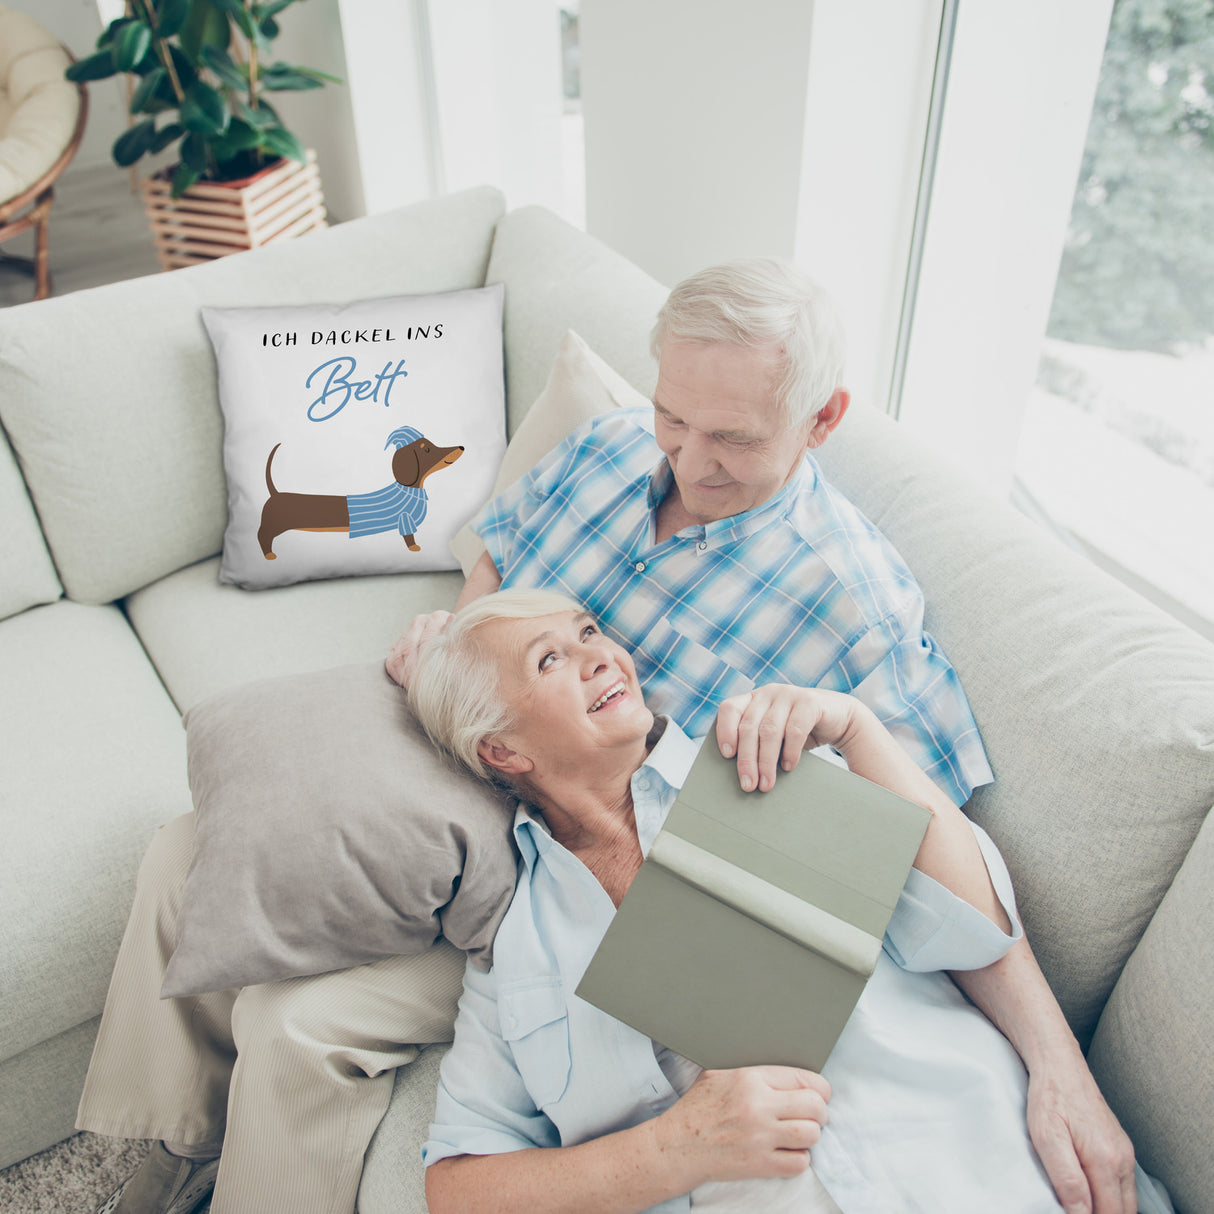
(402, 437)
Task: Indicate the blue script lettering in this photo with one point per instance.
(339, 387)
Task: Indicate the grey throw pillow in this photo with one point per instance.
(330, 833)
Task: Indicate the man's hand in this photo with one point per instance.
(769, 727)
(400, 662)
(1087, 1155)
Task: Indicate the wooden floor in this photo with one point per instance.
(98, 234)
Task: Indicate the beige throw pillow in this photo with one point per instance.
(580, 386)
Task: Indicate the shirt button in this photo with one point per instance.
(702, 545)
(639, 566)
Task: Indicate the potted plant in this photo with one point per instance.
(201, 71)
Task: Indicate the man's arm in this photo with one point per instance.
(484, 579)
(1087, 1155)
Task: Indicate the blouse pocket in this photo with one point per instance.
(535, 1024)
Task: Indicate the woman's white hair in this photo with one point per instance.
(763, 303)
(454, 691)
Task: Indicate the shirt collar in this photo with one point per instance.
(737, 526)
(655, 784)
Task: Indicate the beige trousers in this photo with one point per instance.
(293, 1076)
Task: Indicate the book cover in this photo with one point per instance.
(755, 921)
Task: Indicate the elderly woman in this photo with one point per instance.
(547, 1103)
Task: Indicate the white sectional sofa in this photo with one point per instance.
(1097, 711)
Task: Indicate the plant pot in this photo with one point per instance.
(215, 218)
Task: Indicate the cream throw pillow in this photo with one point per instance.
(580, 386)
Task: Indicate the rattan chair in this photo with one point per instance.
(42, 117)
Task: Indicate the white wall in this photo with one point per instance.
(780, 128)
(497, 69)
(870, 83)
(694, 126)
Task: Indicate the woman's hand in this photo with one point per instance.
(403, 657)
(770, 727)
(755, 1121)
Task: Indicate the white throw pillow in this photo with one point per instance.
(358, 438)
(580, 386)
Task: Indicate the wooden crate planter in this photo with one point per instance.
(215, 218)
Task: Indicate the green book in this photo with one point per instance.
(757, 918)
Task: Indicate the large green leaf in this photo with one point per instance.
(233, 74)
(108, 34)
(94, 67)
(195, 154)
(270, 9)
(262, 117)
(240, 137)
(186, 72)
(132, 144)
(239, 14)
(281, 77)
(183, 178)
(144, 99)
(131, 43)
(281, 142)
(166, 135)
(203, 111)
(171, 16)
(205, 26)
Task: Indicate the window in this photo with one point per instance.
(1117, 442)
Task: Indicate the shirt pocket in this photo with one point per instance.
(535, 1024)
(687, 678)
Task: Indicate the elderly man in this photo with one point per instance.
(704, 538)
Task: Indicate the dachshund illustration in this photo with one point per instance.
(401, 505)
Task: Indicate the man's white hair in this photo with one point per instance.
(763, 303)
(455, 692)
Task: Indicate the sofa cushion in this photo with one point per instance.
(558, 278)
(204, 637)
(139, 490)
(93, 760)
(310, 394)
(1097, 711)
(27, 574)
(1152, 1054)
(393, 1179)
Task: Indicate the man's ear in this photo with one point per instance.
(829, 416)
(495, 754)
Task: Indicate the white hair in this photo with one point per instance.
(454, 691)
(763, 303)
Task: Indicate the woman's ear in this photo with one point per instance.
(496, 754)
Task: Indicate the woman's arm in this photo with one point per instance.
(730, 1125)
(769, 728)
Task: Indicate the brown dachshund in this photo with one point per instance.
(400, 506)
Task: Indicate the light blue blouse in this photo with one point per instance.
(928, 1104)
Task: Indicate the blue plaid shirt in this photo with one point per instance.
(802, 589)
